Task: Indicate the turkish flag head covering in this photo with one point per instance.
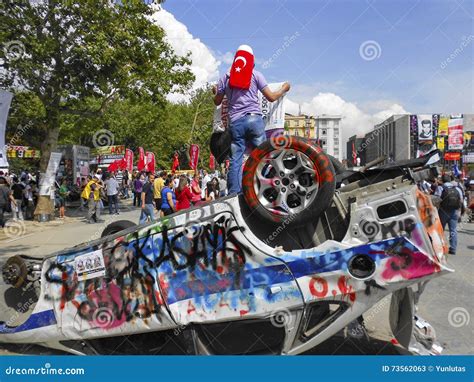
(242, 68)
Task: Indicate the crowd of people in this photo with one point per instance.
(18, 195)
(157, 194)
(453, 197)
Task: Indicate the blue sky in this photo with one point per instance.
(411, 39)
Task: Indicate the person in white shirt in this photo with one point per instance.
(111, 186)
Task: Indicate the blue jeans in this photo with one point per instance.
(451, 218)
(148, 211)
(113, 202)
(248, 129)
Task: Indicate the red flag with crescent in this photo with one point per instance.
(242, 68)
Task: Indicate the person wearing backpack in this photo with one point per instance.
(449, 211)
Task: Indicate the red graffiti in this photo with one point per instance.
(346, 289)
(321, 289)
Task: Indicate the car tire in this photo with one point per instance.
(117, 226)
(288, 179)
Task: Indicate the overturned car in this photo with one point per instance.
(302, 253)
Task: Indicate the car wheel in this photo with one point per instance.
(117, 226)
(287, 179)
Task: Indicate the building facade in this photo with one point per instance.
(300, 125)
(397, 138)
(328, 134)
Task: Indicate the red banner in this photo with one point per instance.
(456, 136)
(150, 162)
(141, 159)
(212, 162)
(193, 156)
(129, 160)
(175, 162)
(227, 164)
(452, 156)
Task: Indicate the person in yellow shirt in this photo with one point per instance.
(91, 193)
(158, 185)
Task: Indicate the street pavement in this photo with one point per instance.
(446, 303)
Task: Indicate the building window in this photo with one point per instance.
(323, 142)
(324, 132)
(336, 141)
(324, 122)
(336, 123)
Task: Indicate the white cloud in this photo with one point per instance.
(355, 120)
(204, 63)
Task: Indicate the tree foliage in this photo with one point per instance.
(81, 58)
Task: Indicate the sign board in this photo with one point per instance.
(273, 112)
(455, 137)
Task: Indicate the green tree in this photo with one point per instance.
(98, 51)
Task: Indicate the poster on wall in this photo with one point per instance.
(440, 143)
(456, 136)
(443, 127)
(425, 128)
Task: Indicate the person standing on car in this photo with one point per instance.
(241, 86)
(6, 198)
(111, 188)
(17, 207)
(147, 199)
(451, 202)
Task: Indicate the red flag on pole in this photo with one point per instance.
(212, 162)
(129, 160)
(150, 162)
(193, 156)
(242, 68)
(354, 153)
(141, 159)
(175, 162)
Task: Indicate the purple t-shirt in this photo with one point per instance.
(242, 101)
